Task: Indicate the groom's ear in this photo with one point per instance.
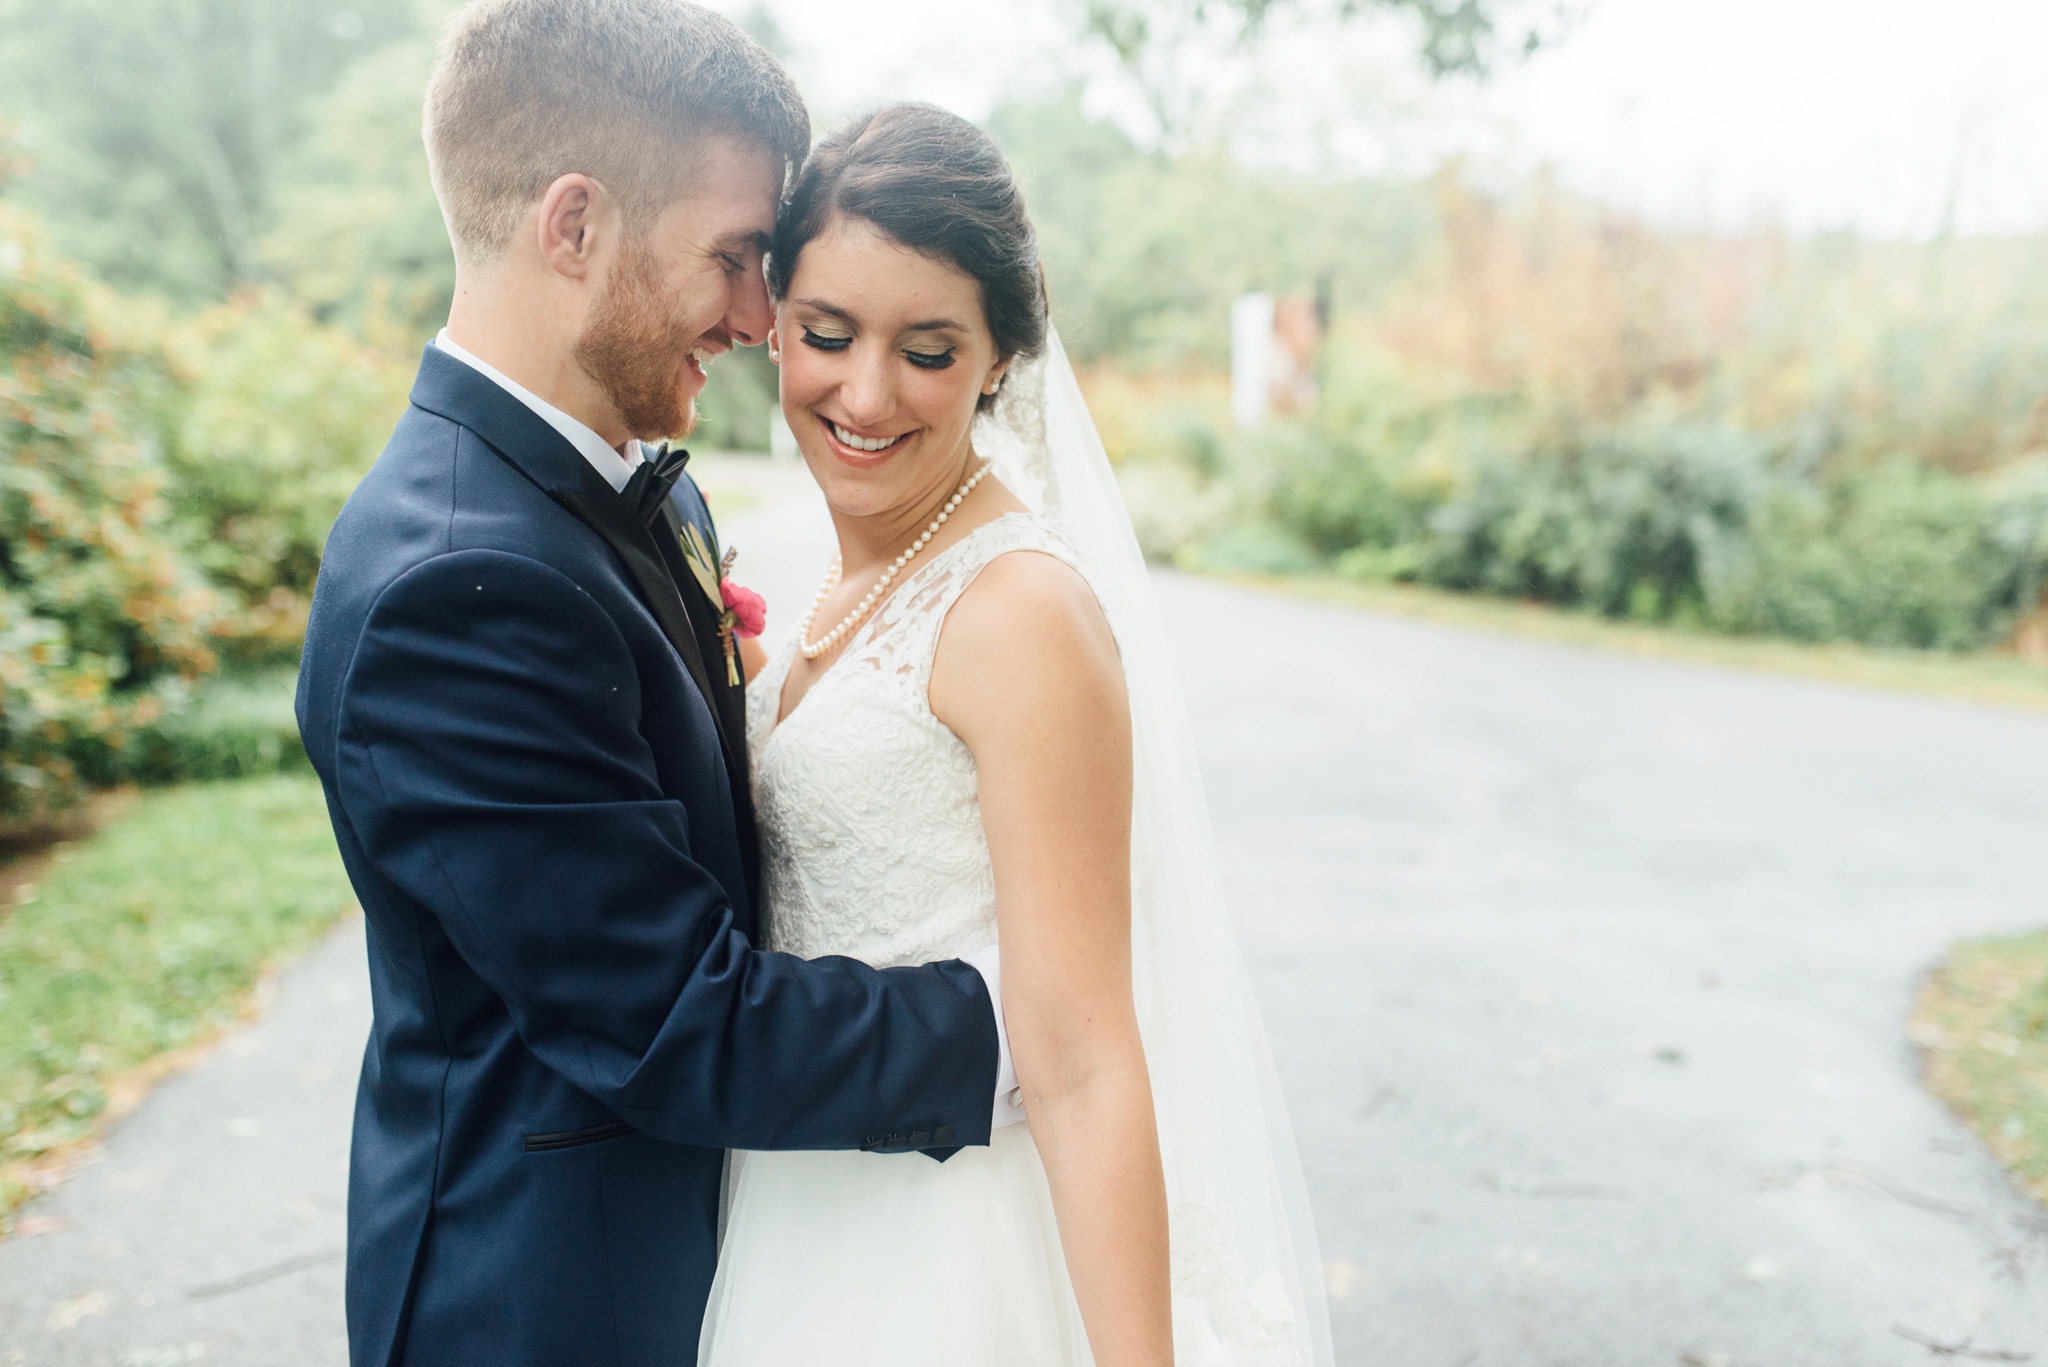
(576, 215)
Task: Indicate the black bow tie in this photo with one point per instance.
(653, 480)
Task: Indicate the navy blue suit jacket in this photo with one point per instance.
(543, 815)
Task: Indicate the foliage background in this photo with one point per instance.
(1827, 439)
(102, 618)
(1524, 394)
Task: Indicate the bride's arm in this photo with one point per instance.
(1027, 675)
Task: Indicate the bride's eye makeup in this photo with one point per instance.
(826, 341)
(929, 360)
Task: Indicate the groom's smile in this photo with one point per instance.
(699, 361)
(684, 290)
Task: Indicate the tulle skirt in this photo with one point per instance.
(859, 1259)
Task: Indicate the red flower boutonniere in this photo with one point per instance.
(749, 609)
(741, 611)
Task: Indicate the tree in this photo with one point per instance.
(1144, 249)
(154, 128)
(358, 235)
(1459, 37)
(1152, 39)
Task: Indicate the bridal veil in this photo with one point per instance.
(1247, 1277)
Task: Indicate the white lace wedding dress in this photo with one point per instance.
(872, 846)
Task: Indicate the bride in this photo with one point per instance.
(975, 737)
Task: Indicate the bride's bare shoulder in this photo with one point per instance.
(1030, 604)
(1028, 627)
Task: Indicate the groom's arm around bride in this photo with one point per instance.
(538, 787)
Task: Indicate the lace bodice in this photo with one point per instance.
(871, 837)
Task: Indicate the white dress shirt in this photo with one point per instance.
(617, 467)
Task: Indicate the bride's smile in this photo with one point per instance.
(885, 358)
(865, 445)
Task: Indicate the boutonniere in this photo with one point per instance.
(741, 611)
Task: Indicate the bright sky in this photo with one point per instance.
(1890, 115)
(1878, 112)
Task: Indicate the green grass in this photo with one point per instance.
(236, 726)
(1981, 677)
(148, 938)
(1982, 1022)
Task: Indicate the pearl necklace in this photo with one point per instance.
(812, 650)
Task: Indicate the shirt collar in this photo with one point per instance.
(615, 468)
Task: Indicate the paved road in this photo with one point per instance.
(1586, 975)
(209, 1230)
(1587, 978)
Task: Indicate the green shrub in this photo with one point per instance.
(2019, 532)
(100, 609)
(1340, 490)
(1662, 519)
(1639, 522)
(235, 726)
(274, 420)
(165, 490)
(1898, 555)
(1173, 509)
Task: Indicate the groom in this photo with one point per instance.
(515, 693)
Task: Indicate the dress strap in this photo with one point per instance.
(902, 639)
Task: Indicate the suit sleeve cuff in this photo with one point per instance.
(1009, 1099)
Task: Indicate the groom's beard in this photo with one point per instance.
(634, 345)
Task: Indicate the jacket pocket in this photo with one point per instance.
(570, 1139)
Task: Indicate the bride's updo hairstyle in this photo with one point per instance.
(933, 182)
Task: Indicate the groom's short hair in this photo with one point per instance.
(623, 91)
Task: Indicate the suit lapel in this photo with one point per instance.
(516, 433)
(704, 615)
(727, 702)
(609, 516)
(666, 583)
